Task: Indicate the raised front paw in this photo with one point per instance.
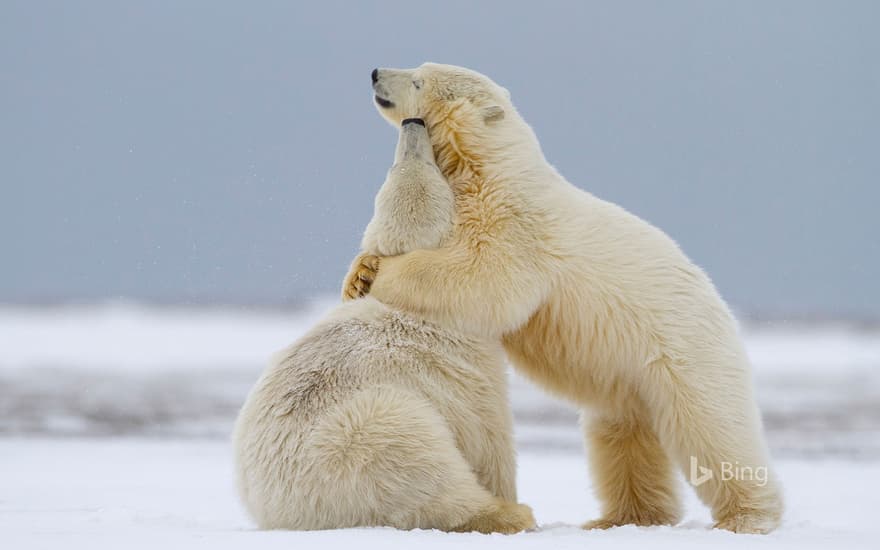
(360, 277)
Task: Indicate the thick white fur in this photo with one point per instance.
(376, 417)
(593, 303)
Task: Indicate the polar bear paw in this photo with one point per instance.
(360, 277)
(658, 517)
(755, 522)
(500, 517)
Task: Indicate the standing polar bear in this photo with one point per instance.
(592, 303)
(376, 417)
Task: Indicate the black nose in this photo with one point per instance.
(418, 121)
(375, 75)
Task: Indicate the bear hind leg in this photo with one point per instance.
(719, 445)
(386, 457)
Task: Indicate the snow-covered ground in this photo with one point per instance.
(151, 494)
(114, 422)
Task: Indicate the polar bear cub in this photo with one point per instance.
(376, 417)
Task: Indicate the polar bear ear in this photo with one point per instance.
(493, 113)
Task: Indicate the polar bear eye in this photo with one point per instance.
(417, 84)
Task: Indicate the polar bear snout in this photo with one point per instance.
(397, 93)
(382, 94)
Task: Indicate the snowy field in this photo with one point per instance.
(135, 493)
(114, 423)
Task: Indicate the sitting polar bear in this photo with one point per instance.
(593, 303)
(376, 417)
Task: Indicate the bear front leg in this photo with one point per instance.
(633, 477)
(360, 276)
(486, 292)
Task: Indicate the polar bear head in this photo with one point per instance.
(469, 117)
(432, 91)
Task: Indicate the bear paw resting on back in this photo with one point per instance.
(377, 418)
(593, 303)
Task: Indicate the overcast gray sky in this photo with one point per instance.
(192, 152)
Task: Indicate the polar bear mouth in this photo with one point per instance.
(384, 103)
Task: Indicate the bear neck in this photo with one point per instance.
(471, 156)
